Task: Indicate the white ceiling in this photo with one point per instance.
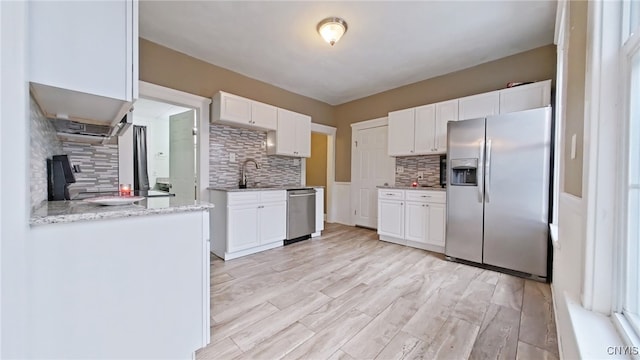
(388, 44)
(151, 109)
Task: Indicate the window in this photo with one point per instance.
(630, 227)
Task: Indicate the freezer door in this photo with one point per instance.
(516, 207)
(465, 140)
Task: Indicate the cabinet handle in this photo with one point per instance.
(401, 203)
(425, 196)
(390, 194)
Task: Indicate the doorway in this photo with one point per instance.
(326, 166)
(170, 144)
(316, 167)
(198, 136)
(371, 166)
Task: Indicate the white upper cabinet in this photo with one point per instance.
(238, 111)
(424, 132)
(525, 97)
(478, 106)
(83, 61)
(293, 136)
(421, 130)
(401, 132)
(445, 111)
(264, 116)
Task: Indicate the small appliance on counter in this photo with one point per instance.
(59, 176)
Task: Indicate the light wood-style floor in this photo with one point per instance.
(348, 295)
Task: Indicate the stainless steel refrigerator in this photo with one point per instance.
(498, 190)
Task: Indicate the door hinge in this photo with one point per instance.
(356, 143)
(355, 212)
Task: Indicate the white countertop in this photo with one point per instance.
(52, 212)
(265, 188)
(427, 188)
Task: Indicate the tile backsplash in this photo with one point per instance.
(98, 163)
(429, 164)
(44, 144)
(244, 143)
(98, 166)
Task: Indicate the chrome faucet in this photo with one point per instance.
(243, 173)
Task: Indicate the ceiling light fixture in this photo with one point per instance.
(331, 29)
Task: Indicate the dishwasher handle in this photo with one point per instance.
(299, 195)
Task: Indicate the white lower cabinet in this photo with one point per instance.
(391, 218)
(412, 217)
(244, 223)
(242, 227)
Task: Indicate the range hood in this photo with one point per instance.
(74, 131)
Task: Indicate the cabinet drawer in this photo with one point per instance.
(390, 194)
(426, 196)
(272, 196)
(243, 198)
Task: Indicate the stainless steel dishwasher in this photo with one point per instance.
(301, 214)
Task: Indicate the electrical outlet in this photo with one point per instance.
(399, 169)
(296, 161)
(420, 174)
(232, 157)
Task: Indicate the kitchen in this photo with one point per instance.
(156, 61)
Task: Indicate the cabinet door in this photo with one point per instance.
(84, 46)
(436, 224)
(286, 133)
(424, 129)
(416, 220)
(479, 106)
(445, 112)
(235, 109)
(303, 136)
(319, 209)
(264, 116)
(273, 222)
(391, 218)
(242, 227)
(401, 132)
(525, 97)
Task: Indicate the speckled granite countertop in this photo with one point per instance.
(429, 188)
(264, 188)
(52, 212)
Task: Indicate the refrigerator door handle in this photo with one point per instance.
(487, 169)
(480, 172)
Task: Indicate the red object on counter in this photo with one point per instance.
(414, 184)
(125, 190)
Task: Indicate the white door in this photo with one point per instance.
(372, 167)
(182, 155)
(416, 219)
(391, 218)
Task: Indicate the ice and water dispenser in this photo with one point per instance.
(464, 172)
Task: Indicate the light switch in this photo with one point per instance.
(232, 157)
(573, 146)
(296, 161)
(420, 174)
(399, 169)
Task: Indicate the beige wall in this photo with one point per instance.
(574, 123)
(163, 66)
(317, 163)
(536, 64)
